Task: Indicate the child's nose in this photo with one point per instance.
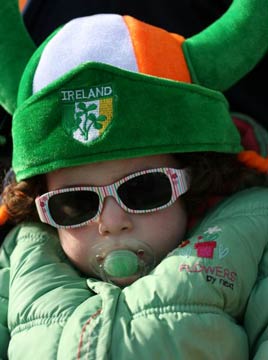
(113, 219)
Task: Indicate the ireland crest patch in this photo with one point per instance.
(87, 111)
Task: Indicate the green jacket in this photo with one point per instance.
(207, 300)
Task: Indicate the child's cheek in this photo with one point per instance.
(75, 244)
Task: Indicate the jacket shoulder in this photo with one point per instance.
(248, 202)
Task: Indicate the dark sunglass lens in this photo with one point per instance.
(73, 207)
(146, 192)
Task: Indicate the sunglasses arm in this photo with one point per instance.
(40, 209)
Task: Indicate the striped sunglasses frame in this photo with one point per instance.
(178, 180)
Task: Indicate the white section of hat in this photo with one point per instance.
(100, 38)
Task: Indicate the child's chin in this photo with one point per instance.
(125, 281)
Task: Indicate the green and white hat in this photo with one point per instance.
(108, 86)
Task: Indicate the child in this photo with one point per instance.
(155, 242)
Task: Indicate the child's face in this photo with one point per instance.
(162, 230)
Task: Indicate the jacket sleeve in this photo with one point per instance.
(256, 315)
(5, 252)
(246, 227)
(247, 231)
(45, 291)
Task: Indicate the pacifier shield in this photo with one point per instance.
(121, 263)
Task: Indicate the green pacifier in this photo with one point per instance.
(121, 263)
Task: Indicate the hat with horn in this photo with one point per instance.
(108, 86)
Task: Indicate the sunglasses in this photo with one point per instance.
(142, 192)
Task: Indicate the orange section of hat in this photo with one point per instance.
(158, 52)
(22, 3)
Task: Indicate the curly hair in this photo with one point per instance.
(217, 174)
(212, 174)
(19, 199)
